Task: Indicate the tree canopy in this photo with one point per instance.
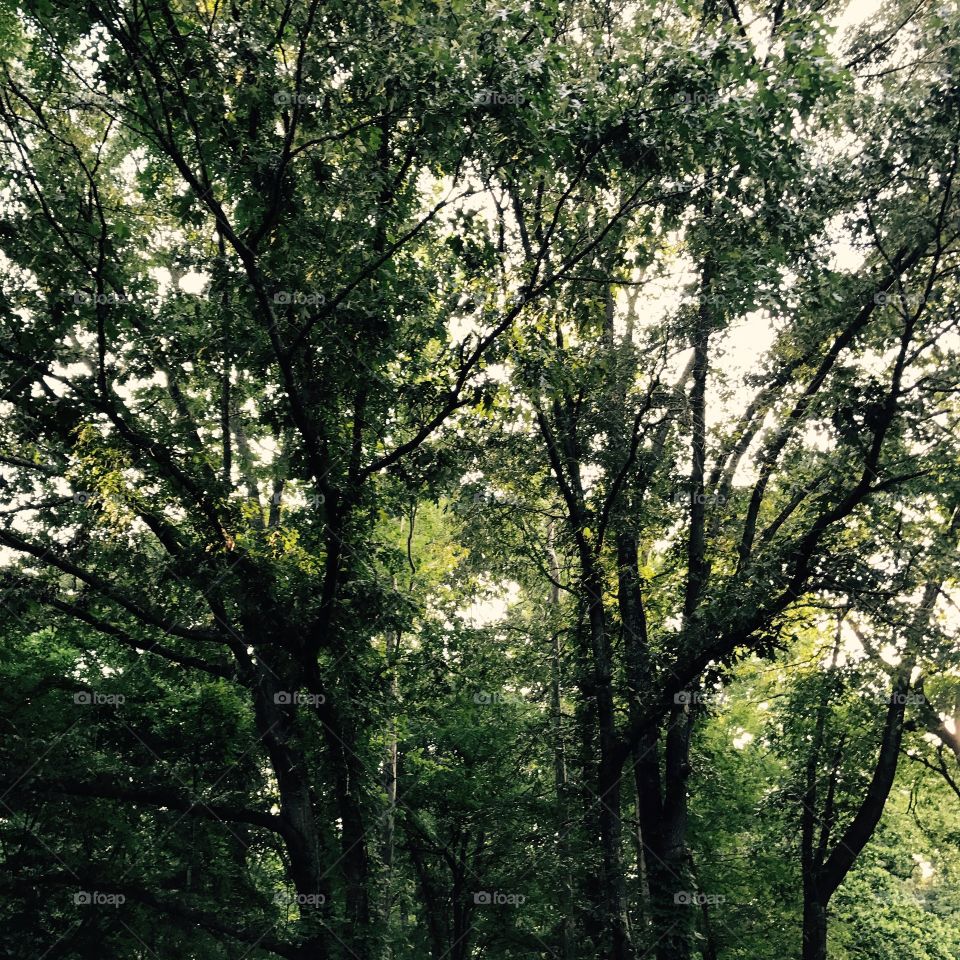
(479, 480)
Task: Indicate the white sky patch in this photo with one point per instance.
(844, 256)
(742, 739)
(745, 343)
(193, 282)
(486, 612)
(854, 14)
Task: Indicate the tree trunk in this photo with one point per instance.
(389, 780)
(614, 908)
(646, 754)
(559, 754)
(276, 725)
(814, 926)
(674, 884)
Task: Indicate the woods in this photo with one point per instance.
(479, 481)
